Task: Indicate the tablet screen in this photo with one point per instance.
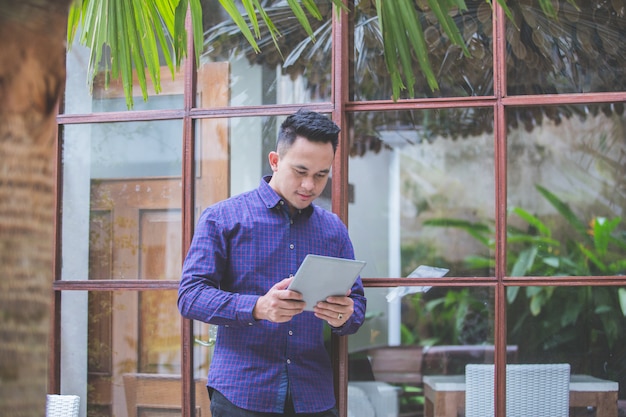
(320, 277)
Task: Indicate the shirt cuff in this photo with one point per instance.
(245, 306)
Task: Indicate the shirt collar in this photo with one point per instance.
(271, 199)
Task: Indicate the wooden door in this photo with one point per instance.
(136, 234)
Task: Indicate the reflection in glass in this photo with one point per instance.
(121, 201)
(582, 326)
(298, 73)
(440, 330)
(121, 352)
(80, 99)
(581, 50)
(567, 193)
(415, 174)
(457, 74)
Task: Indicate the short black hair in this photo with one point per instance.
(309, 124)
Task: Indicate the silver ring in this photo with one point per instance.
(340, 316)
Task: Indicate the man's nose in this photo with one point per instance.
(308, 183)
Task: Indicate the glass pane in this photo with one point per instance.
(121, 201)
(424, 187)
(79, 99)
(300, 75)
(120, 352)
(232, 157)
(457, 75)
(584, 327)
(416, 341)
(567, 192)
(582, 50)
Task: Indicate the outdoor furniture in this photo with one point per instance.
(359, 404)
(397, 364)
(381, 397)
(406, 364)
(451, 359)
(538, 390)
(445, 395)
(62, 405)
(160, 394)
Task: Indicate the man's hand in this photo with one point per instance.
(279, 304)
(335, 310)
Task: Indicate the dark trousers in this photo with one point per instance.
(221, 407)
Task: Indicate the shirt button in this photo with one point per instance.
(290, 333)
(282, 203)
(288, 360)
(249, 324)
(291, 246)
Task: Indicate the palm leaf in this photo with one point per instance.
(441, 10)
(196, 24)
(137, 33)
(249, 7)
(127, 37)
(524, 262)
(312, 8)
(511, 294)
(398, 35)
(535, 240)
(389, 44)
(565, 211)
(231, 8)
(478, 231)
(299, 13)
(416, 37)
(532, 220)
(593, 258)
(548, 8)
(602, 229)
(622, 300)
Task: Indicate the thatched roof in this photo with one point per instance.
(583, 50)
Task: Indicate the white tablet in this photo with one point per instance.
(320, 277)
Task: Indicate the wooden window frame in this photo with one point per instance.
(339, 107)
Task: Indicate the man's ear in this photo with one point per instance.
(273, 158)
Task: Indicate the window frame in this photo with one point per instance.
(339, 107)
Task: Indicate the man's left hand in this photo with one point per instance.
(335, 310)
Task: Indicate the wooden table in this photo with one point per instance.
(445, 395)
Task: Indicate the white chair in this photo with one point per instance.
(538, 390)
(62, 405)
(383, 397)
(359, 404)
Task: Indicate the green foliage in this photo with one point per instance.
(595, 248)
(451, 317)
(138, 34)
(583, 325)
(404, 38)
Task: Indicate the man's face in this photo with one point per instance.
(301, 173)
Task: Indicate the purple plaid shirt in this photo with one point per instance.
(241, 248)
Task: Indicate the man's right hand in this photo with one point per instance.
(279, 304)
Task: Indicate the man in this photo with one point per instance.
(270, 358)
